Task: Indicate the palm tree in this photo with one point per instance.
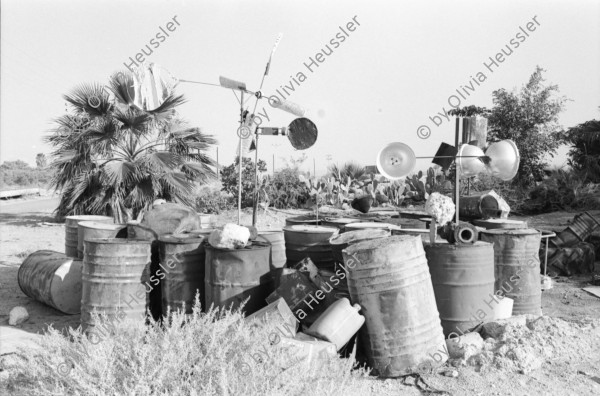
(350, 169)
(113, 158)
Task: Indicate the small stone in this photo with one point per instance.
(450, 373)
(17, 316)
(464, 346)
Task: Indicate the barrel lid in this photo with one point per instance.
(181, 238)
(447, 245)
(373, 224)
(372, 244)
(358, 235)
(311, 229)
(119, 241)
(101, 226)
(517, 231)
(500, 222)
(342, 220)
(204, 232)
(269, 231)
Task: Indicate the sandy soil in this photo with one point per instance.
(26, 227)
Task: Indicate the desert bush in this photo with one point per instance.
(230, 177)
(211, 199)
(563, 190)
(201, 354)
(585, 152)
(20, 174)
(285, 189)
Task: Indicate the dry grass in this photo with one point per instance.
(203, 354)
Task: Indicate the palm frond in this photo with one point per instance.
(89, 99)
(121, 85)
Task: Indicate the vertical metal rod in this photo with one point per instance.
(217, 163)
(546, 257)
(256, 195)
(457, 171)
(240, 160)
(273, 163)
(314, 168)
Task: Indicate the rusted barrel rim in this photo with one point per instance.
(512, 231)
(347, 237)
(119, 241)
(181, 239)
(370, 225)
(310, 229)
(88, 217)
(95, 225)
(255, 245)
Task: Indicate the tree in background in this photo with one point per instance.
(40, 160)
(352, 170)
(230, 177)
(529, 118)
(585, 153)
(113, 158)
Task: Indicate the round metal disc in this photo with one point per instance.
(302, 133)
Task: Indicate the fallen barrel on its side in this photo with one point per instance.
(52, 278)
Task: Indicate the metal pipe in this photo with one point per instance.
(255, 202)
(457, 173)
(240, 161)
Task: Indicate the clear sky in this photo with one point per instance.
(397, 68)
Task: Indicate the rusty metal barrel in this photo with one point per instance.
(115, 280)
(481, 206)
(233, 275)
(517, 267)
(463, 281)
(372, 225)
(182, 260)
(96, 229)
(72, 230)
(390, 280)
(303, 241)
(342, 241)
(53, 279)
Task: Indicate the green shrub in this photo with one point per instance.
(285, 189)
(211, 199)
(202, 354)
(230, 177)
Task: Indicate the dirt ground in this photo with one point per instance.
(26, 226)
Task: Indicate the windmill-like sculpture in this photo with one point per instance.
(501, 159)
(152, 84)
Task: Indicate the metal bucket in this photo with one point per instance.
(479, 207)
(309, 241)
(342, 241)
(115, 279)
(517, 267)
(233, 275)
(72, 230)
(492, 224)
(390, 280)
(53, 279)
(206, 221)
(182, 260)
(463, 282)
(371, 226)
(276, 239)
(302, 220)
(95, 229)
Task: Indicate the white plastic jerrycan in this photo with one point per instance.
(338, 323)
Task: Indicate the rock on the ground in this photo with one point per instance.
(465, 346)
(496, 328)
(17, 316)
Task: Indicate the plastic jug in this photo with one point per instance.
(338, 323)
